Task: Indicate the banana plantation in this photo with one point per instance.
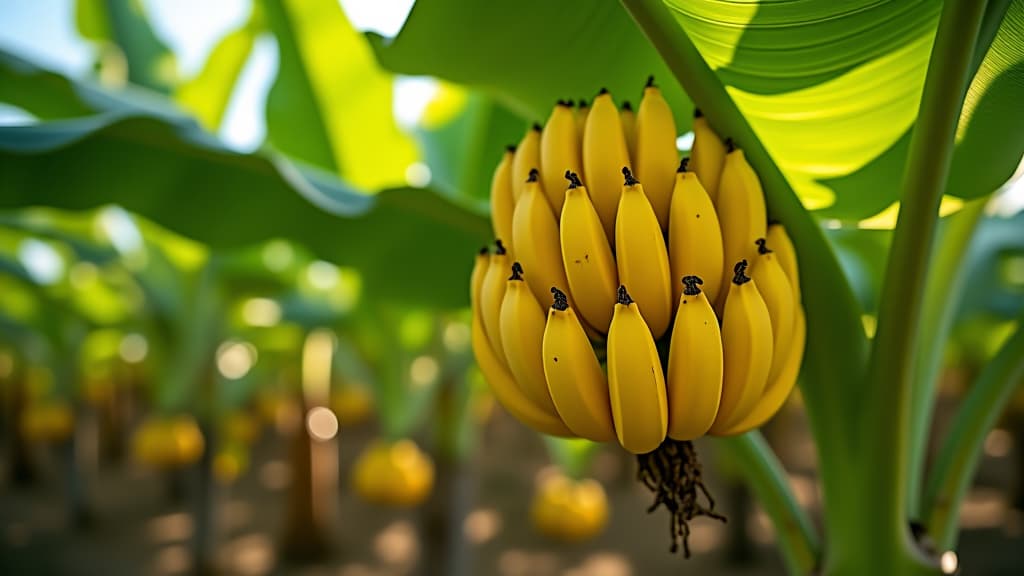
(454, 288)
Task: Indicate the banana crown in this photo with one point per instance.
(672, 240)
(692, 285)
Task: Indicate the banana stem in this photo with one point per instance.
(961, 449)
(944, 290)
(766, 477)
(887, 390)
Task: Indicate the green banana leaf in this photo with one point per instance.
(314, 112)
(463, 135)
(408, 244)
(528, 54)
(831, 88)
(123, 24)
(208, 93)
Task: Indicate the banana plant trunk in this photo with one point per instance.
(305, 537)
(445, 549)
(78, 454)
(20, 471)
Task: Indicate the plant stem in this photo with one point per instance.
(887, 390)
(943, 292)
(961, 449)
(766, 477)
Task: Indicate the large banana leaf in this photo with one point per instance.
(831, 88)
(463, 135)
(530, 53)
(123, 25)
(314, 113)
(409, 244)
(208, 93)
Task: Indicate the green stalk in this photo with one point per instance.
(887, 390)
(943, 292)
(764, 473)
(961, 449)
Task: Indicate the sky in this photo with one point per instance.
(43, 31)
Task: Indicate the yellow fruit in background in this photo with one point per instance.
(48, 421)
(168, 441)
(231, 461)
(352, 405)
(97, 391)
(569, 510)
(393, 474)
(240, 426)
(276, 406)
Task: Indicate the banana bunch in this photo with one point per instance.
(631, 296)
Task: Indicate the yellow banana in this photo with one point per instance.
(741, 212)
(694, 365)
(559, 151)
(604, 155)
(582, 112)
(777, 391)
(783, 247)
(636, 382)
(694, 236)
(641, 256)
(522, 335)
(497, 375)
(492, 292)
(708, 155)
(656, 155)
(778, 296)
(746, 350)
(578, 386)
(535, 232)
(628, 118)
(527, 158)
(589, 264)
(502, 202)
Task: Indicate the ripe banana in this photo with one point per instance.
(708, 155)
(656, 155)
(589, 264)
(578, 386)
(604, 155)
(642, 256)
(741, 212)
(559, 151)
(628, 118)
(497, 375)
(746, 350)
(777, 391)
(694, 235)
(522, 335)
(492, 292)
(527, 158)
(694, 365)
(535, 233)
(783, 247)
(778, 296)
(636, 382)
(502, 202)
